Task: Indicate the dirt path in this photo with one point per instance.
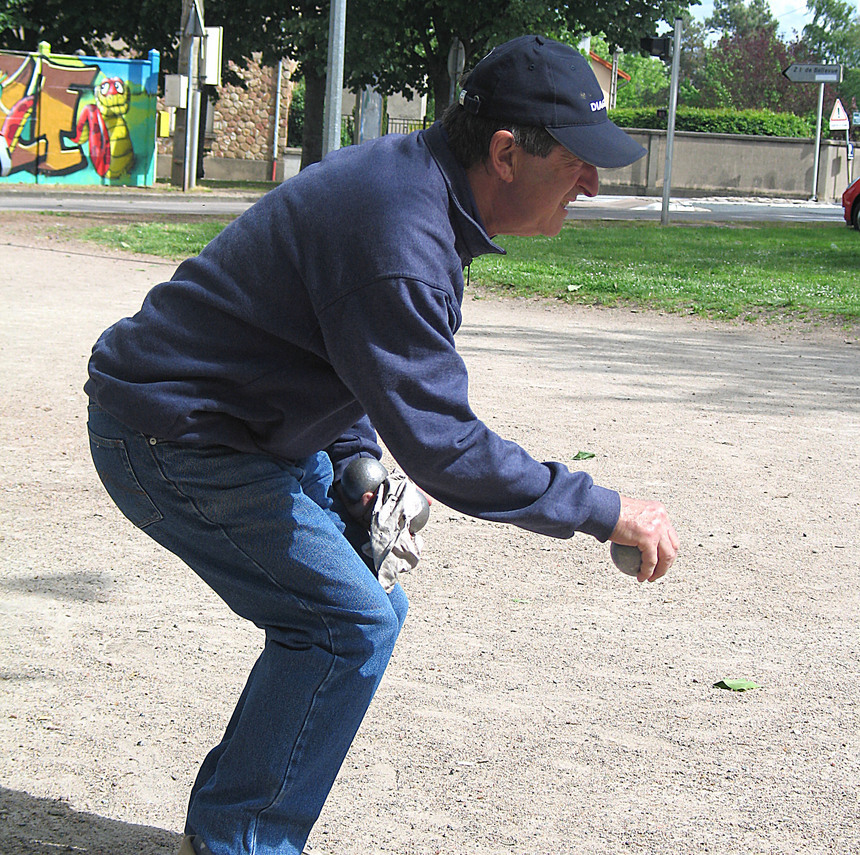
(538, 701)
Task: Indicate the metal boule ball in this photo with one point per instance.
(362, 475)
(627, 559)
(420, 519)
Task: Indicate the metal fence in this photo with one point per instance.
(404, 126)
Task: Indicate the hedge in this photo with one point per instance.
(761, 123)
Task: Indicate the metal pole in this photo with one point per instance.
(189, 122)
(334, 77)
(177, 166)
(456, 64)
(613, 81)
(817, 143)
(195, 139)
(195, 32)
(278, 73)
(670, 132)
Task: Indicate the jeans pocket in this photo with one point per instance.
(112, 463)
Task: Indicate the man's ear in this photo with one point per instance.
(501, 156)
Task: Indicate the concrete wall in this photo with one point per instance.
(241, 169)
(733, 165)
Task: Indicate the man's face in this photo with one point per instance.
(540, 189)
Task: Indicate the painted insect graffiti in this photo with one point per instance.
(77, 119)
(103, 126)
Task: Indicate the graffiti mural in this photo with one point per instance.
(77, 119)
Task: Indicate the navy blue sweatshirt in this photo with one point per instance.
(328, 306)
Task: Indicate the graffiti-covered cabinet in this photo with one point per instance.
(77, 119)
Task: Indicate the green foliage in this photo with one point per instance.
(849, 89)
(296, 116)
(734, 17)
(397, 44)
(720, 121)
(648, 85)
(744, 71)
(649, 77)
(833, 34)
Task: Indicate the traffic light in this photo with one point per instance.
(656, 46)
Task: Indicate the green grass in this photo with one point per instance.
(167, 240)
(715, 270)
(763, 270)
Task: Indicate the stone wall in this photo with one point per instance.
(243, 120)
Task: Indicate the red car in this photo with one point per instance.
(851, 204)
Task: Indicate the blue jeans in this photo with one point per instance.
(263, 534)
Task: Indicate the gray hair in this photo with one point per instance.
(469, 136)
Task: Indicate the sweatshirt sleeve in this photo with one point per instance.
(358, 441)
(392, 343)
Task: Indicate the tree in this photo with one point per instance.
(107, 29)
(734, 17)
(415, 35)
(296, 29)
(833, 34)
(396, 45)
(744, 72)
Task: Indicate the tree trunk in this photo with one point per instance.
(312, 138)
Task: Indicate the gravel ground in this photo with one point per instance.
(538, 701)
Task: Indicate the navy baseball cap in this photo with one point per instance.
(532, 80)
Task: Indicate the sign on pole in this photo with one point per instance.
(805, 72)
(808, 72)
(838, 118)
(456, 64)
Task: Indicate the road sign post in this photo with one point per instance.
(810, 72)
(839, 122)
(670, 127)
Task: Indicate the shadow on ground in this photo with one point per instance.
(38, 826)
(734, 367)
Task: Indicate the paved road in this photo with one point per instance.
(218, 203)
(707, 209)
(127, 201)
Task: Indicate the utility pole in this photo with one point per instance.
(334, 77)
(183, 170)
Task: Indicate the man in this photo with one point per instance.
(225, 410)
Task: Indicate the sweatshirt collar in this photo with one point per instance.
(472, 237)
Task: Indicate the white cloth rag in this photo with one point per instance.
(393, 547)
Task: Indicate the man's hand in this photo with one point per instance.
(359, 485)
(362, 510)
(646, 524)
